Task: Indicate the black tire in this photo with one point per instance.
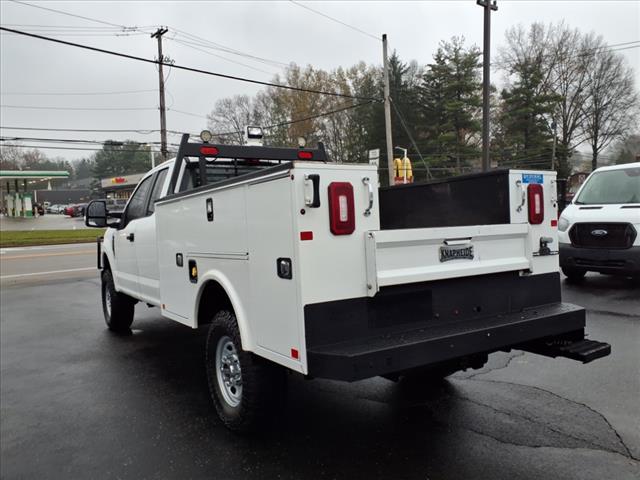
(119, 316)
(574, 275)
(262, 382)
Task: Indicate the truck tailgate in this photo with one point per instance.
(397, 257)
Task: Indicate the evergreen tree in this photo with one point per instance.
(450, 101)
(525, 132)
(121, 158)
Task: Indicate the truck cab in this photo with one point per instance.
(298, 264)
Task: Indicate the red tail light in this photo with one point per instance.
(536, 203)
(341, 210)
(303, 155)
(209, 151)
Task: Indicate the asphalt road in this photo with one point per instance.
(49, 221)
(79, 402)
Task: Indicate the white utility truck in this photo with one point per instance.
(299, 264)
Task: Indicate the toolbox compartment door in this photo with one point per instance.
(396, 257)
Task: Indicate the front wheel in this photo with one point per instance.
(117, 307)
(245, 388)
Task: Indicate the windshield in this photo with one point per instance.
(611, 186)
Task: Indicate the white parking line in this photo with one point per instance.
(5, 277)
(64, 246)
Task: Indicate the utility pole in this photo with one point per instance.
(387, 109)
(163, 114)
(488, 5)
(554, 126)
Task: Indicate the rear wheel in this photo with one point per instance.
(117, 307)
(245, 388)
(574, 275)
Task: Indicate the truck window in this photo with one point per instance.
(157, 190)
(137, 204)
(219, 170)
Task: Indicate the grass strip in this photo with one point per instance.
(25, 238)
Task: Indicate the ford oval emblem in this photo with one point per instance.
(599, 232)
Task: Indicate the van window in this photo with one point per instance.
(611, 186)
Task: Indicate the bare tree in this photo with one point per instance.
(10, 158)
(231, 116)
(570, 82)
(612, 103)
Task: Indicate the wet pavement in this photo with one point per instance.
(80, 402)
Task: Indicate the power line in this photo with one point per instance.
(73, 140)
(203, 42)
(62, 94)
(66, 148)
(299, 120)
(268, 127)
(312, 117)
(186, 44)
(74, 15)
(63, 27)
(335, 20)
(187, 113)
(91, 130)
(406, 129)
(30, 107)
(188, 69)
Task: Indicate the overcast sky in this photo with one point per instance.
(278, 31)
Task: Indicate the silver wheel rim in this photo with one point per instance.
(228, 371)
(107, 301)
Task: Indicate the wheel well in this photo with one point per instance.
(105, 262)
(213, 299)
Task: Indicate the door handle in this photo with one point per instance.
(131, 237)
(314, 200)
(367, 182)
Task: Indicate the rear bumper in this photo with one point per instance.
(614, 261)
(386, 354)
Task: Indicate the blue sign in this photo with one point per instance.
(532, 178)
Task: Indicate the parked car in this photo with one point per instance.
(599, 230)
(68, 210)
(37, 207)
(78, 210)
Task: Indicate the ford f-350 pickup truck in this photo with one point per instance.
(299, 264)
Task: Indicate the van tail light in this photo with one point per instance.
(536, 203)
(341, 209)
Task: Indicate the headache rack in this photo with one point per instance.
(204, 150)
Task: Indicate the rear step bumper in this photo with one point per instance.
(552, 330)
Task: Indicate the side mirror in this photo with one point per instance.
(96, 215)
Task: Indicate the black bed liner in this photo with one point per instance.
(474, 199)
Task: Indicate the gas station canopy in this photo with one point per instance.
(18, 204)
(32, 174)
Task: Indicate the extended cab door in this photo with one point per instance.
(126, 264)
(146, 245)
